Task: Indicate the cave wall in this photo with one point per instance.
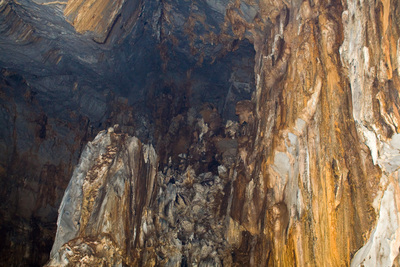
(62, 84)
(273, 124)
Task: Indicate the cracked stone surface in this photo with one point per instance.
(202, 133)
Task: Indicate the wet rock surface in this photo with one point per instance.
(250, 133)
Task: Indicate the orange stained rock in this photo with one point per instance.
(93, 15)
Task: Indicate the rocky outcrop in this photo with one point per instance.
(101, 17)
(119, 208)
(370, 53)
(101, 213)
(307, 172)
(274, 126)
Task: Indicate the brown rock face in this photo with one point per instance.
(102, 210)
(306, 174)
(101, 17)
(311, 202)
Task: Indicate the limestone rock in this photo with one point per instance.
(101, 212)
(102, 17)
(271, 130)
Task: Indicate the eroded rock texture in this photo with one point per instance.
(266, 132)
(105, 201)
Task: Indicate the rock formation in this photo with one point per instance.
(247, 133)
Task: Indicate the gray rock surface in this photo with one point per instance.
(61, 85)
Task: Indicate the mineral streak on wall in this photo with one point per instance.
(102, 209)
(307, 174)
(101, 17)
